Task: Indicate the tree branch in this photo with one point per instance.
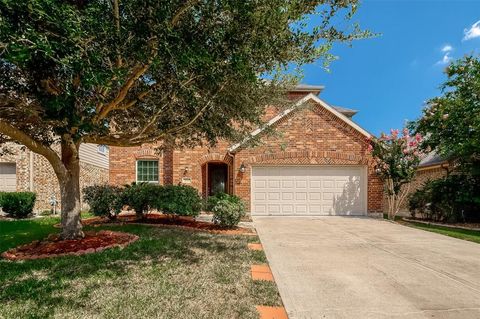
(181, 127)
(34, 146)
(182, 10)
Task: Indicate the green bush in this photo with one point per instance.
(17, 204)
(455, 198)
(141, 197)
(228, 212)
(181, 200)
(214, 199)
(104, 200)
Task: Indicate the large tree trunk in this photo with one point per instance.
(70, 192)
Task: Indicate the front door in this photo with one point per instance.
(217, 178)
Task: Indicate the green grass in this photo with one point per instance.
(465, 234)
(167, 273)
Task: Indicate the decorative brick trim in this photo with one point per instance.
(215, 157)
(309, 157)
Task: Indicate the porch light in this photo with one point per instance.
(242, 168)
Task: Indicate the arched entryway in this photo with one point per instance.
(215, 178)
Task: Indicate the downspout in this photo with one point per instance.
(31, 172)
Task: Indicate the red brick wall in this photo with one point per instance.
(312, 135)
(123, 163)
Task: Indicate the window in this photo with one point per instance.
(102, 149)
(147, 171)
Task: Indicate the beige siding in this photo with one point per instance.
(90, 154)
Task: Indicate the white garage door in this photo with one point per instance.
(308, 190)
(8, 177)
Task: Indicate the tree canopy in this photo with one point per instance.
(131, 72)
(451, 122)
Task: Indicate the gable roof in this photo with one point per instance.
(432, 159)
(308, 98)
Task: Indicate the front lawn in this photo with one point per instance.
(465, 234)
(167, 273)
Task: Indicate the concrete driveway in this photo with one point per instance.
(345, 267)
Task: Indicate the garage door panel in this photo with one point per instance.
(308, 190)
(288, 184)
(288, 195)
(273, 196)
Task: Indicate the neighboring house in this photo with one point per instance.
(432, 167)
(316, 163)
(23, 170)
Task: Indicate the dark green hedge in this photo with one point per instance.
(17, 204)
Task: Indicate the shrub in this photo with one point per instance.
(18, 204)
(141, 197)
(181, 200)
(451, 199)
(214, 199)
(228, 212)
(104, 200)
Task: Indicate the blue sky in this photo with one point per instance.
(389, 78)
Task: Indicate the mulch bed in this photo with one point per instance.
(54, 247)
(167, 221)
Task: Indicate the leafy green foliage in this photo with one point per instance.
(213, 199)
(141, 197)
(104, 200)
(151, 67)
(451, 122)
(181, 200)
(455, 198)
(228, 211)
(17, 204)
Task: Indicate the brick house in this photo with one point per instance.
(315, 164)
(24, 170)
(432, 167)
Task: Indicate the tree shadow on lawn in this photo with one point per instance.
(42, 283)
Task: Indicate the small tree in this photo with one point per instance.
(396, 160)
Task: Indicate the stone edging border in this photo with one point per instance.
(439, 224)
(10, 254)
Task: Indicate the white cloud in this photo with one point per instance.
(447, 48)
(446, 59)
(473, 32)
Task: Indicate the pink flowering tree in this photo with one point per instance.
(396, 160)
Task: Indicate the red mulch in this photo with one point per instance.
(165, 220)
(54, 247)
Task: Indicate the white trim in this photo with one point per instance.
(305, 99)
(149, 160)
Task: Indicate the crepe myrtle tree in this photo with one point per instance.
(396, 160)
(171, 72)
